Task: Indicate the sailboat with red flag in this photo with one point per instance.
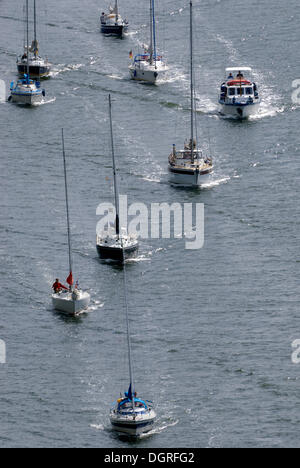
(72, 300)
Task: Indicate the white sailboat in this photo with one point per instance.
(38, 67)
(26, 91)
(117, 245)
(73, 301)
(129, 414)
(112, 23)
(190, 167)
(148, 67)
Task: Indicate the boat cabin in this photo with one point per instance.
(238, 87)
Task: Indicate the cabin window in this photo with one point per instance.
(240, 91)
(249, 91)
(231, 91)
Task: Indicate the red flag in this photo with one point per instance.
(70, 280)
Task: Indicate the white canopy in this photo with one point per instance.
(237, 69)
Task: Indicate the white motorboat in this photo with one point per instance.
(148, 67)
(239, 95)
(73, 301)
(190, 167)
(116, 245)
(129, 414)
(112, 23)
(26, 91)
(38, 67)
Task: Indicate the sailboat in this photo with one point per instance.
(73, 301)
(38, 67)
(190, 167)
(148, 67)
(112, 23)
(129, 414)
(116, 245)
(26, 91)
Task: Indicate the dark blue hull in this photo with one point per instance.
(115, 254)
(111, 30)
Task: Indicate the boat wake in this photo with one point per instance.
(215, 183)
(45, 101)
(159, 428)
(59, 69)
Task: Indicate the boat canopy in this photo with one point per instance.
(237, 69)
(137, 401)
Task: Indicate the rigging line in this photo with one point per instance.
(128, 330)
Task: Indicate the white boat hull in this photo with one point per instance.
(195, 179)
(240, 111)
(28, 99)
(147, 73)
(66, 303)
(133, 426)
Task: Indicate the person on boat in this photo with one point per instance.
(240, 75)
(230, 77)
(24, 56)
(57, 286)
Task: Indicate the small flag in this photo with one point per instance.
(131, 55)
(70, 280)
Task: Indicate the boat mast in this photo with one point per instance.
(35, 37)
(67, 204)
(154, 32)
(27, 17)
(192, 82)
(128, 339)
(151, 32)
(114, 171)
(117, 10)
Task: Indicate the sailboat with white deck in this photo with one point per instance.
(190, 167)
(148, 67)
(131, 415)
(118, 245)
(73, 301)
(38, 67)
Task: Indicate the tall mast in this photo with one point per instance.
(27, 19)
(67, 203)
(151, 32)
(35, 36)
(117, 10)
(192, 82)
(128, 338)
(114, 170)
(154, 30)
